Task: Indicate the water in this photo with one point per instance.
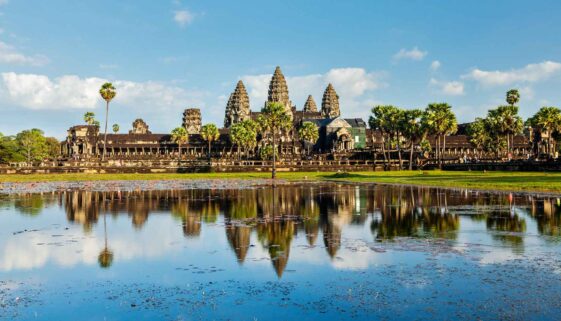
(306, 252)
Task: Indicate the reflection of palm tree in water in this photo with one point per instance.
(105, 258)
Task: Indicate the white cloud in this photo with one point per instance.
(528, 74)
(413, 54)
(353, 85)
(435, 65)
(183, 17)
(9, 55)
(450, 88)
(72, 92)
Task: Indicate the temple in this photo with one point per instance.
(339, 137)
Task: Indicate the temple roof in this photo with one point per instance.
(310, 105)
(330, 103)
(278, 90)
(237, 108)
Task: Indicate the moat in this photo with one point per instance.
(306, 251)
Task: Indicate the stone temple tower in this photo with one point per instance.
(278, 91)
(330, 103)
(237, 108)
(310, 105)
(192, 120)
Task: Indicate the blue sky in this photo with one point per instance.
(165, 56)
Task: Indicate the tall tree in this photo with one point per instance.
(274, 121)
(547, 121)
(412, 129)
(32, 143)
(89, 118)
(107, 92)
(479, 134)
(308, 133)
(210, 133)
(116, 128)
(179, 136)
(512, 97)
(440, 121)
(385, 119)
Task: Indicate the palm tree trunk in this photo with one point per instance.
(411, 156)
(384, 152)
(274, 172)
(444, 144)
(179, 152)
(209, 150)
(105, 135)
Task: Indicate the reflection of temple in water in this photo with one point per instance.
(316, 212)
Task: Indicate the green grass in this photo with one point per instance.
(511, 181)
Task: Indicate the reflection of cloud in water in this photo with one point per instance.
(25, 251)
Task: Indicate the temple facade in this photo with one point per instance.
(338, 136)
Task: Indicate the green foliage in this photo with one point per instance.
(274, 120)
(89, 118)
(179, 135)
(116, 128)
(210, 133)
(266, 152)
(32, 144)
(308, 133)
(547, 122)
(107, 91)
(512, 97)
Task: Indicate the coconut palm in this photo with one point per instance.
(107, 92)
(89, 118)
(179, 136)
(308, 133)
(274, 121)
(116, 128)
(210, 133)
(479, 134)
(512, 97)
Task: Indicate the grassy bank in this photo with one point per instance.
(511, 181)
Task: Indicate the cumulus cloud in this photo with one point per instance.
(450, 88)
(435, 65)
(353, 85)
(413, 54)
(183, 17)
(10, 55)
(72, 92)
(528, 74)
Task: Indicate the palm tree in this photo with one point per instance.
(115, 128)
(547, 121)
(89, 118)
(440, 122)
(510, 123)
(309, 133)
(274, 121)
(479, 134)
(412, 129)
(179, 136)
(385, 119)
(210, 133)
(107, 92)
(512, 97)
(237, 135)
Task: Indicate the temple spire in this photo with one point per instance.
(310, 105)
(278, 91)
(330, 103)
(237, 108)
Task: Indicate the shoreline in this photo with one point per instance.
(187, 183)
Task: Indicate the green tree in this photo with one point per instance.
(116, 128)
(210, 133)
(52, 147)
(512, 97)
(89, 118)
(9, 150)
(244, 134)
(547, 121)
(274, 121)
(385, 119)
(179, 136)
(308, 133)
(105, 257)
(412, 129)
(32, 144)
(107, 92)
(479, 134)
(440, 121)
